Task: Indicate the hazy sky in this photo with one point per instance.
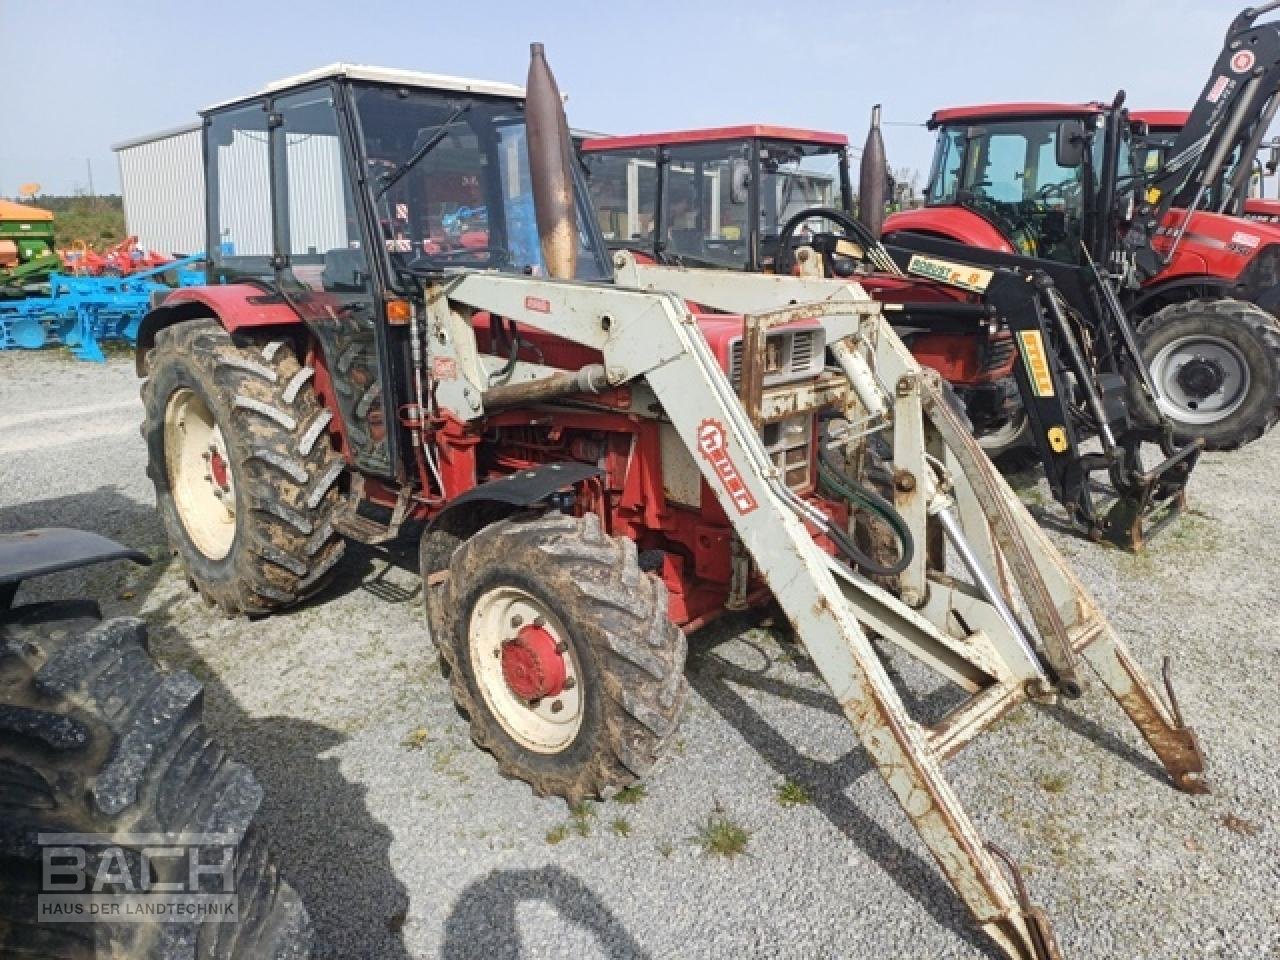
(80, 75)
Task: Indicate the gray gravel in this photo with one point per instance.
(412, 847)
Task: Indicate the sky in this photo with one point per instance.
(81, 75)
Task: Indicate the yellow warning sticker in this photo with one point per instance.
(959, 275)
(1037, 361)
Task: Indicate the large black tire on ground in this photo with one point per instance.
(1253, 333)
(285, 470)
(94, 739)
(632, 656)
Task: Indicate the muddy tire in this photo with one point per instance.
(246, 478)
(1218, 364)
(609, 621)
(94, 739)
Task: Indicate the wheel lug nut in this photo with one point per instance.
(556, 706)
(517, 620)
(570, 683)
(539, 622)
(497, 653)
(561, 647)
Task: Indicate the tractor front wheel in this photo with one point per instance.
(560, 653)
(1216, 364)
(245, 476)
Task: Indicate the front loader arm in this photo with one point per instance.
(650, 335)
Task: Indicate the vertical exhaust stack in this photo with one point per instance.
(872, 175)
(550, 168)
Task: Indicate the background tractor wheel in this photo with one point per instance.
(94, 739)
(1011, 446)
(1217, 364)
(246, 479)
(560, 653)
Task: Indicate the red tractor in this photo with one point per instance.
(1057, 183)
(597, 467)
(780, 200)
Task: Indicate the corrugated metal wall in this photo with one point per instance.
(163, 185)
(317, 208)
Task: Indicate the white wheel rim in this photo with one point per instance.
(1180, 403)
(548, 725)
(199, 473)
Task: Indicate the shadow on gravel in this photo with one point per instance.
(712, 677)
(325, 841)
(482, 924)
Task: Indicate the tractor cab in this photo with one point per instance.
(1028, 177)
(338, 192)
(717, 197)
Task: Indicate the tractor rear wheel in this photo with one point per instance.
(560, 653)
(245, 476)
(95, 740)
(1216, 364)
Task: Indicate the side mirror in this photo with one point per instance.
(739, 181)
(1069, 150)
(1273, 157)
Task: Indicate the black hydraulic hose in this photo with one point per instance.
(833, 481)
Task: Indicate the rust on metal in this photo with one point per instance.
(751, 373)
(1173, 742)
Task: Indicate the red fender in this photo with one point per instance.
(949, 223)
(237, 306)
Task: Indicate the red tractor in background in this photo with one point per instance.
(725, 198)
(1057, 183)
(767, 199)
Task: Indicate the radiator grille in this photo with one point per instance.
(798, 353)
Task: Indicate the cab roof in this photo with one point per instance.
(391, 75)
(1008, 111)
(1162, 119)
(716, 134)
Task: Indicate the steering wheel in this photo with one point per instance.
(835, 263)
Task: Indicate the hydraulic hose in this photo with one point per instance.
(833, 481)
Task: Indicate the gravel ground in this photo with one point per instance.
(405, 842)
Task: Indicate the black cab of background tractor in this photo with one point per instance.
(780, 200)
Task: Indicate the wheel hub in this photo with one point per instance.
(199, 473)
(533, 665)
(1201, 376)
(526, 668)
(218, 473)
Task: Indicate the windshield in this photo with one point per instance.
(706, 196)
(450, 180)
(1007, 171)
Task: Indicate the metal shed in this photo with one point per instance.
(162, 181)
